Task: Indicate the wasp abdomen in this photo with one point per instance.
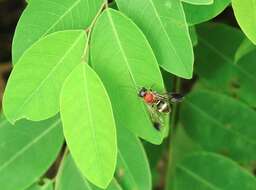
(162, 106)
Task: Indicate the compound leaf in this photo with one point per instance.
(172, 47)
(44, 17)
(222, 65)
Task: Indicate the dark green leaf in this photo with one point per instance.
(220, 124)
(207, 171)
(216, 64)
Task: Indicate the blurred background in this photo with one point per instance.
(10, 11)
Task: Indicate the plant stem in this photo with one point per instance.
(174, 119)
(89, 30)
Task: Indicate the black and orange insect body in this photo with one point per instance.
(158, 103)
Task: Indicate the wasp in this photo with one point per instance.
(158, 103)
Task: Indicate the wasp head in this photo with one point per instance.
(142, 92)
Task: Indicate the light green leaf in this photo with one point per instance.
(245, 13)
(92, 140)
(245, 48)
(70, 178)
(196, 14)
(163, 23)
(207, 171)
(198, 2)
(216, 65)
(47, 185)
(44, 17)
(127, 64)
(193, 35)
(34, 86)
(220, 124)
(27, 151)
(132, 165)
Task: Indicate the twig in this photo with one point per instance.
(89, 29)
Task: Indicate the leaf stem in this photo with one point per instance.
(89, 29)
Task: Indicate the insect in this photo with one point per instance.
(158, 103)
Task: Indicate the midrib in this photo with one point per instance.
(27, 146)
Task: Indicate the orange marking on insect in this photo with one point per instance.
(149, 98)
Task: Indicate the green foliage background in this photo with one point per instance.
(71, 99)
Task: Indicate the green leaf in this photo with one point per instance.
(207, 171)
(245, 48)
(92, 141)
(246, 17)
(172, 47)
(27, 151)
(127, 64)
(47, 185)
(196, 14)
(193, 35)
(198, 2)
(70, 178)
(216, 65)
(34, 86)
(44, 17)
(132, 164)
(181, 146)
(220, 124)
